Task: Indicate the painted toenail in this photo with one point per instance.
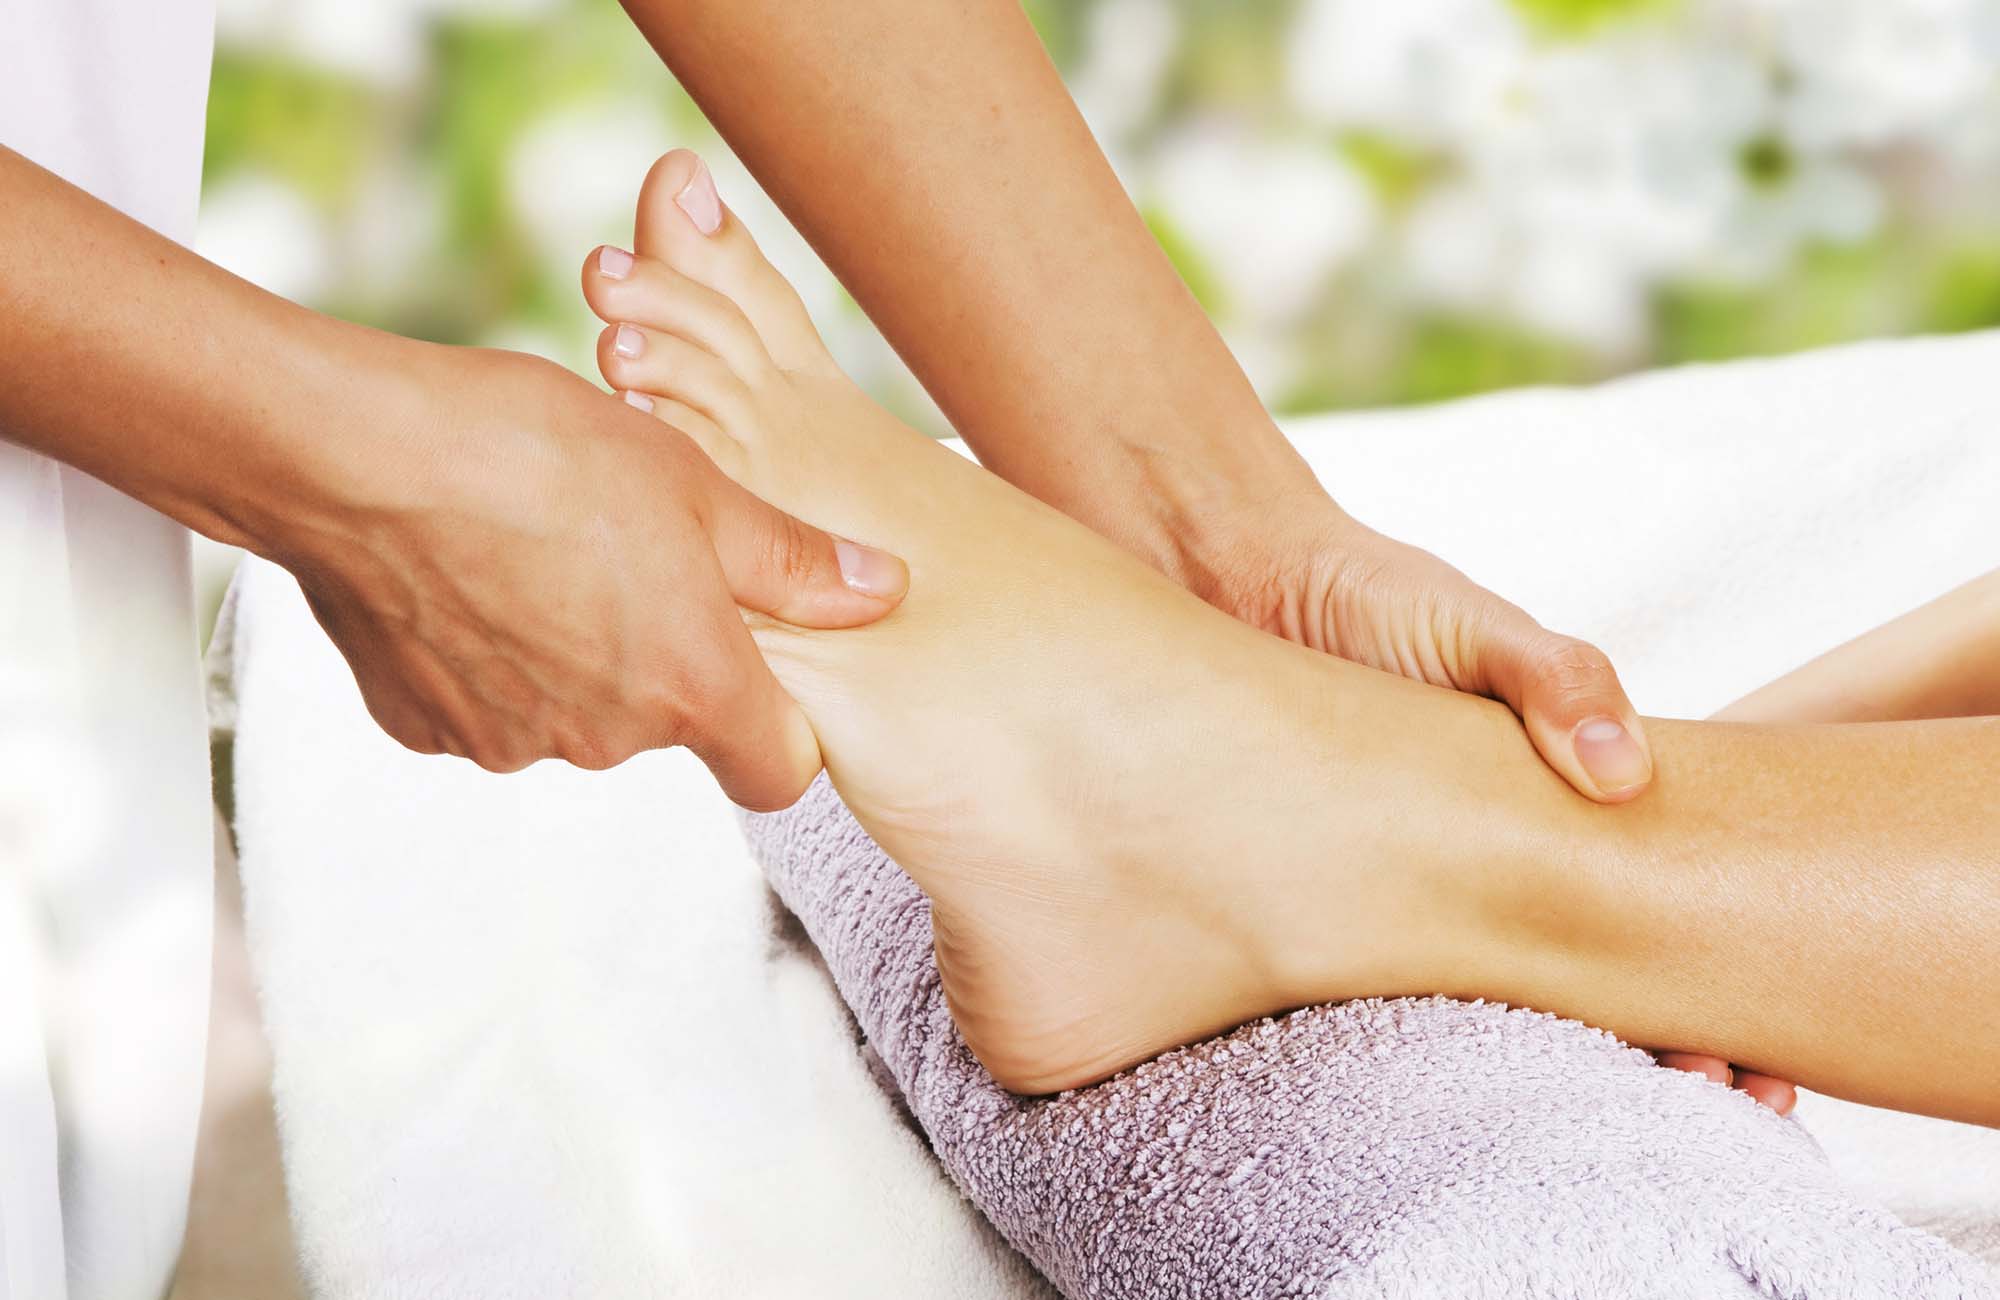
(629, 343)
(869, 571)
(1610, 754)
(698, 199)
(614, 263)
(639, 400)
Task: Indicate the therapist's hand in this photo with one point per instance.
(528, 568)
(1297, 565)
(516, 565)
(1292, 562)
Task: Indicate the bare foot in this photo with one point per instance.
(1114, 795)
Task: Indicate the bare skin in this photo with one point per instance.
(429, 499)
(265, 427)
(1939, 661)
(1141, 821)
(936, 161)
(908, 133)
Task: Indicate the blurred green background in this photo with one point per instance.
(1378, 202)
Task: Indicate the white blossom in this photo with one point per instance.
(1272, 218)
(264, 230)
(1128, 50)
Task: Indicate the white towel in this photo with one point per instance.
(545, 1034)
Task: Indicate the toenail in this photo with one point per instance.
(629, 343)
(614, 263)
(698, 199)
(639, 400)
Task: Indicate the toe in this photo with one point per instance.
(636, 359)
(682, 222)
(643, 291)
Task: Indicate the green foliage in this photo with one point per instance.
(1964, 289)
(490, 81)
(1205, 287)
(1887, 286)
(1059, 24)
(1766, 161)
(1229, 56)
(1432, 357)
(1457, 356)
(311, 128)
(1395, 171)
(1578, 18)
(1821, 303)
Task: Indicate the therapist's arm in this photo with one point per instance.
(932, 155)
(515, 564)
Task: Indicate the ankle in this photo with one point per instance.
(1451, 862)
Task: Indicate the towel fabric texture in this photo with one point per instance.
(1415, 1147)
(547, 1034)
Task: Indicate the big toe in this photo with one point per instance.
(683, 222)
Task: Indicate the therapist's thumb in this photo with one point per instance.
(781, 566)
(1568, 696)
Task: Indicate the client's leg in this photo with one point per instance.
(1140, 821)
(1939, 661)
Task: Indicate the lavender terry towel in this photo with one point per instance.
(1404, 1148)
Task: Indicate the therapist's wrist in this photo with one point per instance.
(344, 429)
(1180, 501)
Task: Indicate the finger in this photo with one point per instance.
(1568, 696)
(398, 714)
(725, 451)
(738, 720)
(665, 365)
(386, 695)
(1775, 1093)
(777, 565)
(623, 289)
(1712, 1068)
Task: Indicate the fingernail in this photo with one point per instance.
(1610, 754)
(614, 263)
(869, 571)
(629, 343)
(698, 199)
(639, 400)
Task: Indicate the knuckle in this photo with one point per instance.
(416, 740)
(790, 550)
(403, 725)
(500, 756)
(593, 749)
(591, 755)
(1566, 666)
(669, 724)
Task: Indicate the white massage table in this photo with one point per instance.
(546, 1034)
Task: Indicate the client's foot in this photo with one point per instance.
(1139, 821)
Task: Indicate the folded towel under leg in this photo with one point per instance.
(1414, 1147)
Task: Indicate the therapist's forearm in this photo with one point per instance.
(934, 158)
(134, 360)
